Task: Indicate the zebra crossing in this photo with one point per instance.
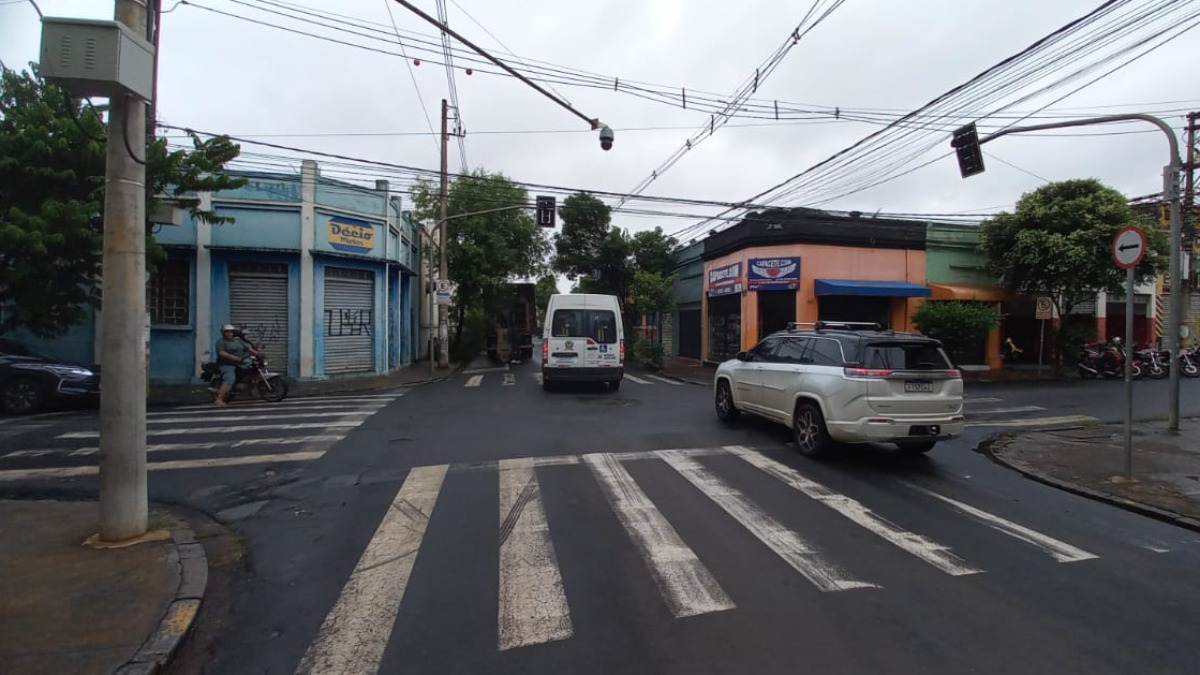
(990, 412)
(500, 377)
(535, 607)
(201, 436)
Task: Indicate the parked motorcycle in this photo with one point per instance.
(1189, 362)
(1155, 363)
(252, 377)
(1106, 360)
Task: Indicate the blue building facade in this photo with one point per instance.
(324, 273)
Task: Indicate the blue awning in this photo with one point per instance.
(886, 289)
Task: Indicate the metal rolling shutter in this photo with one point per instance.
(349, 320)
(258, 303)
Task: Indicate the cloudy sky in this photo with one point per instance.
(858, 66)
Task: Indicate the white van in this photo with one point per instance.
(583, 340)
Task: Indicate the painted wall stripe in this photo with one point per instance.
(795, 551)
(686, 584)
(356, 630)
(227, 430)
(926, 549)
(533, 603)
(1059, 550)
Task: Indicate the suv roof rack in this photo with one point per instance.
(848, 325)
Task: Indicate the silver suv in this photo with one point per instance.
(846, 382)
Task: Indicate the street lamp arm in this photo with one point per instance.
(594, 122)
(1108, 119)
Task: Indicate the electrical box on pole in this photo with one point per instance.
(966, 144)
(545, 211)
(97, 58)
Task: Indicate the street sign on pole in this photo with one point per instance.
(1044, 311)
(445, 289)
(1128, 250)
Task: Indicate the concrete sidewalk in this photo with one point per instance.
(1091, 461)
(67, 607)
(407, 376)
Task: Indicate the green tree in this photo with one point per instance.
(1058, 243)
(654, 251)
(960, 325)
(485, 251)
(650, 292)
(585, 225)
(52, 162)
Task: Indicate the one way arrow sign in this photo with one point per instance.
(1129, 247)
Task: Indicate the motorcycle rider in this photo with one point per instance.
(231, 352)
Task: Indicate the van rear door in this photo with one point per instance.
(583, 337)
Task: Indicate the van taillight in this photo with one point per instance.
(868, 372)
(622, 351)
(545, 351)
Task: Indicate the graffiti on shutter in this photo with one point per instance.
(258, 304)
(349, 320)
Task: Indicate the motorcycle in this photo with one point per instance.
(1155, 363)
(252, 376)
(1189, 362)
(1105, 360)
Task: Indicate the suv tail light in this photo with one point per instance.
(868, 372)
(954, 374)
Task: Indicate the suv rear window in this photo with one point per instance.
(905, 356)
(597, 324)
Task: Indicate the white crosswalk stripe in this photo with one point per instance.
(664, 380)
(993, 414)
(533, 603)
(474, 381)
(310, 426)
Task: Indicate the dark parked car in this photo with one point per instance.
(30, 382)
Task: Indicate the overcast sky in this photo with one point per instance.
(225, 74)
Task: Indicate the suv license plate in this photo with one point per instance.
(919, 387)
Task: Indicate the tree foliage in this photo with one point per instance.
(484, 252)
(547, 286)
(959, 325)
(651, 292)
(1058, 243)
(585, 225)
(52, 164)
(654, 252)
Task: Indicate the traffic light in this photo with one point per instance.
(545, 211)
(966, 144)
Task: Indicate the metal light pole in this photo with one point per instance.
(1171, 175)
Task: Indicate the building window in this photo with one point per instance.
(170, 294)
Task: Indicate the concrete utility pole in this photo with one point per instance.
(1171, 174)
(123, 509)
(444, 196)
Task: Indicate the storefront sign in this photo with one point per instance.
(774, 274)
(350, 235)
(725, 280)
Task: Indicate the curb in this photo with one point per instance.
(1139, 508)
(157, 651)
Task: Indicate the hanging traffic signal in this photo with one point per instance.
(545, 211)
(966, 144)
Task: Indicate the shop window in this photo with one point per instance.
(170, 294)
(724, 327)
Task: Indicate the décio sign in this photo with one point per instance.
(350, 235)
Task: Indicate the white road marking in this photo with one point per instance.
(999, 411)
(686, 584)
(930, 551)
(1059, 550)
(533, 603)
(474, 381)
(1036, 421)
(356, 631)
(243, 418)
(210, 445)
(663, 379)
(509, 380)
(636, 379)
(237, 409)
(981, 399)
(795, 551)
(226, 430)
(496, 369)
(538, 377)
(217, 462)
(305, 401)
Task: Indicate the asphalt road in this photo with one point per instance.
(482, 525)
